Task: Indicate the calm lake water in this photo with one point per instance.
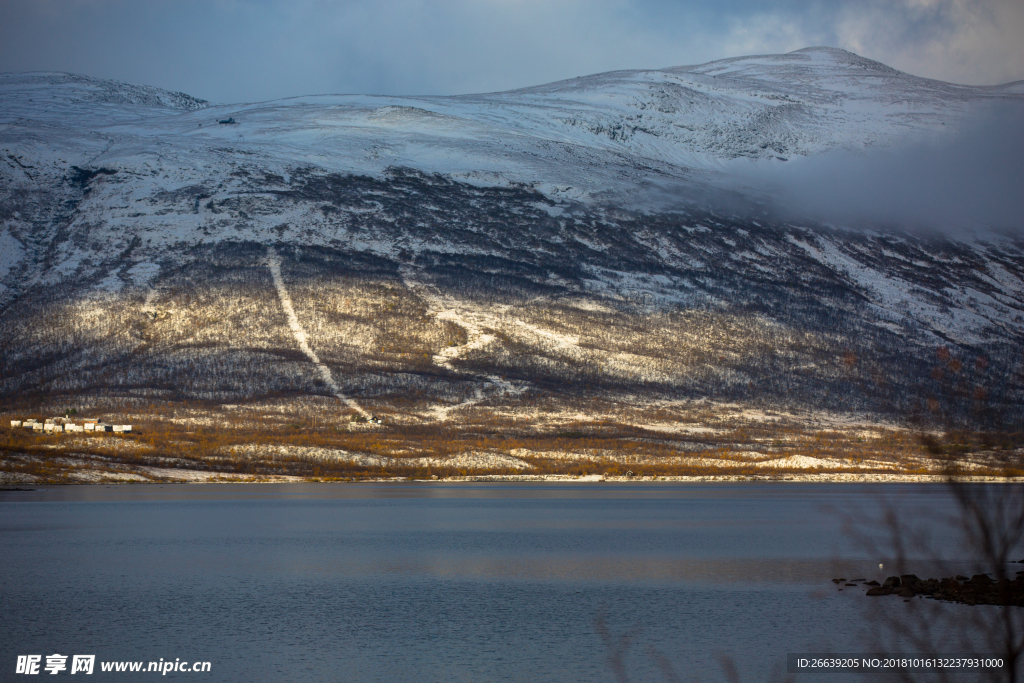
(440, 582)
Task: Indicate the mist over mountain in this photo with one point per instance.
(813, 230)
(956, 182)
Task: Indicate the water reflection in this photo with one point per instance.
(434, 582)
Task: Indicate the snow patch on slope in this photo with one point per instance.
(11, 253)
(274, 263)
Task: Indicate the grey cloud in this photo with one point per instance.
(971, 42)
(230, 50)
(968, 180)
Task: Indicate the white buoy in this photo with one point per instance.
(880, 565)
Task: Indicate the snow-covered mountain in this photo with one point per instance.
(123, 206)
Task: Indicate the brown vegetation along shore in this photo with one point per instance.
(318, 439)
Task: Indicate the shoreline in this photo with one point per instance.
(836, 478)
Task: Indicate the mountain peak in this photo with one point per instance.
(61, 87)
(842, 56)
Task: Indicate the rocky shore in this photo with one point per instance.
(980, 589)
(818, 477)
(136, 474)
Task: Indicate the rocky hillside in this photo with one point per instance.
(420, 257)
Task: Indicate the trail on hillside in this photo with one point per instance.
(472, 322)
(274, 263)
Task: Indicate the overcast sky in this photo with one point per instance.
(251, 50)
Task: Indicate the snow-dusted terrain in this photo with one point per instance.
(474, 248)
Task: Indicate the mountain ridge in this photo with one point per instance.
(584, 238)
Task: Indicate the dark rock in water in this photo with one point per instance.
(838, 580)
(850, 584)
(856, 579)
(980, 589)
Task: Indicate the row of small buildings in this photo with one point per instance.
(62, 424)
